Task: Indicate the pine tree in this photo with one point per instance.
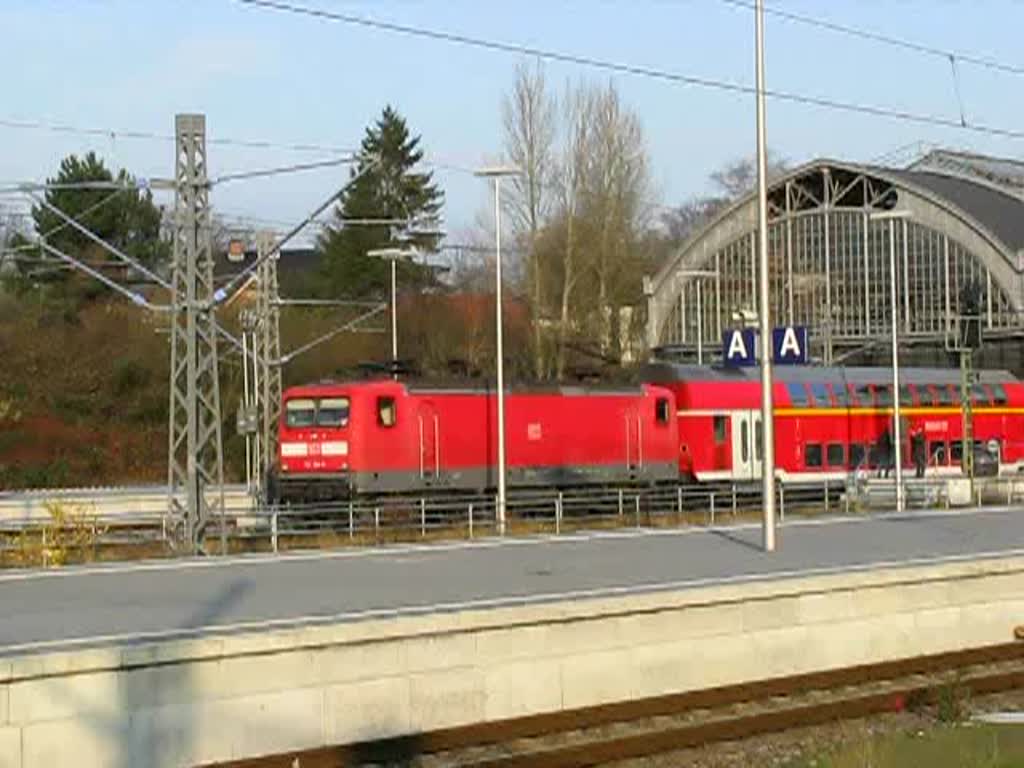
(125, 218)
(386, 186)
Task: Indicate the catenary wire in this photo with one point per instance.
(631, 69)
(866, 34)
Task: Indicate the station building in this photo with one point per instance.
(961, 222)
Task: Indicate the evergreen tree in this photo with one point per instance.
(126, 218)
(386, 186)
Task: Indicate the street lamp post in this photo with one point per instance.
(767, 410)
(392, 255)
(897, 426)
(498, 173)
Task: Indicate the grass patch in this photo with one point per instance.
(965, 746)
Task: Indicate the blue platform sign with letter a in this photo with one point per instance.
(789, 345)
(739, 347)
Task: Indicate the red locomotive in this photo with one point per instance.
(832, 422)
(339, 439)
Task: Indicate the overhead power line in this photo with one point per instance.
(877, 37)
(119, 133)
(632, 69)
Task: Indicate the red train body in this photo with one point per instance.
(830, 422)
(339, 439)
(385, 436)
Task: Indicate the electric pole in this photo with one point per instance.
(195, 477)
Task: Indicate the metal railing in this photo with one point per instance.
(67, 532)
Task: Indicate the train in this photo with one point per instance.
(680, 424)
(338, 440)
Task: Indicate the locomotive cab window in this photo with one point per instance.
(812, 455)
(661, 414)
(386, 411)
(300, 412)
(333, 412)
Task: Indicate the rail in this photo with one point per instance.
(645, 728)
(42, 528)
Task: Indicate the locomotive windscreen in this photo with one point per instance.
(322, 412)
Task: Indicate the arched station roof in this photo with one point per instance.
(829, 254)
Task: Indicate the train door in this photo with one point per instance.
(634, 441)
(746, 445)
(429, 441)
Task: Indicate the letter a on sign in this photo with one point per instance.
(789, 345)
(738, 347)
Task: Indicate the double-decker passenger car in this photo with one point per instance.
(832, 422)
(339, 439)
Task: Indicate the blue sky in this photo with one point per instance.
(131, 64)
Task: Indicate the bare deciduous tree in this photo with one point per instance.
(740, 176)
(529, 115)
(578, 113)
(618, 207)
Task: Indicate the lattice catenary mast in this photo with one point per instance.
(195, 477)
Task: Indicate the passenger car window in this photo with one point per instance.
(840, 393)
(812, 454)
(300, 412)
(866, 395)
(798, 394)
(906, 398)
(386, 411)
(835, 455)
(978, 395)
(856, 454)
(821, 398)
(854, 399)
(884, 394)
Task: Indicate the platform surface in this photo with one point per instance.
(139, 602)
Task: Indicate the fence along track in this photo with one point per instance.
(710, 715)
(129, 523)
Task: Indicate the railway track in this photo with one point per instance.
(609, 733)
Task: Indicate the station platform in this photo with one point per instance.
(191, 662)
(142, 602)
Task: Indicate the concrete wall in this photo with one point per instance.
(188, 702)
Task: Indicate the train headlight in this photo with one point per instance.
(292, 450)
(334, 448)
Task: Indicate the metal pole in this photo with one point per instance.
(394, 312)
(896, 427)
(767, 412)
(700, 323)
(500, 352)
